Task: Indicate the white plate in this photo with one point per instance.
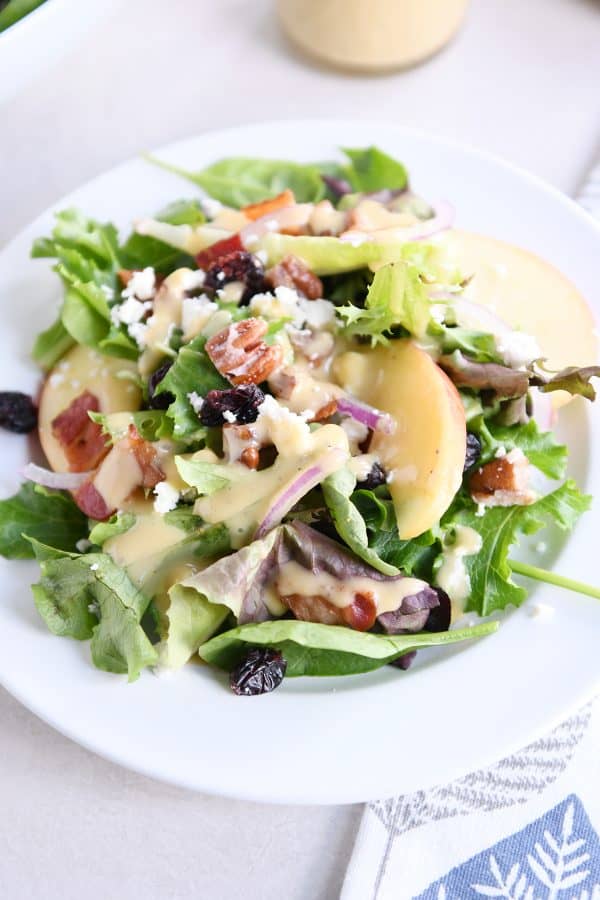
(330, 740)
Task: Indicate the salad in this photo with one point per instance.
(283, 432)
(12, 11)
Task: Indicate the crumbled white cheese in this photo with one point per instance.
(166, 497)
(287, 430)
(82, 545)
(438, 312)
(317, 314)
(129, 312)
(194, 280)
(94, 567)
(56, 379)
(229, 416)
(138, 332)
(141, 285)
(481, 509)
(195, 313)
(196, 401)
(541, 611)
(500, 452)
(517, 349)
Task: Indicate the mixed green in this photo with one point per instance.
(12, 11)
(221, 483)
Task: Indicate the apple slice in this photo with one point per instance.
(425, 455)
(530, 294)
(79, 370)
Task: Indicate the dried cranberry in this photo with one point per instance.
(237, 266)
(473, 451)
(242, 402)
(439, 617)
(375, 477)
(17, 412)
(260, 671)
(164, 400)
(403, 662)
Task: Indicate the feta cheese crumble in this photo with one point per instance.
(129, 312)
(517, 349)
(229, 416)
(196, 401)
(166, 497)
(141, 285)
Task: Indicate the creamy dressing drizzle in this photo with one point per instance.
(452, 576)
(388, 595)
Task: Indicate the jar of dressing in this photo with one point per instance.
(371, 35)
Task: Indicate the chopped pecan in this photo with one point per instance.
(240, 354)
(292, 272)
(250, 457)
(329, 409)
(502, 481)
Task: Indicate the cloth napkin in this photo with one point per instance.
(526, 828)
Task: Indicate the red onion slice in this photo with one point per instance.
(301, 485)
(367, 415)
(61, 481)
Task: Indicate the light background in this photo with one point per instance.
(521, 80)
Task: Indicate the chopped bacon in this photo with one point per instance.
(91, 502)
(359, 615)
(206, 258)
(82, 440)
(146, 458)
(257, 210)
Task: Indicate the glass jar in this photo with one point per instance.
(371, 35)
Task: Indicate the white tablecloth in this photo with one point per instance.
(522, 81)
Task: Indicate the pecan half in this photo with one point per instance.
(293, 272)
(240, 354)
(502, 481)
(360, 614)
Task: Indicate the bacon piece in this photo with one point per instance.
(359, 615)
(146, 458)
(91, 502)
(292, 272)
(206, 258)
(256, 210)
(82, 440)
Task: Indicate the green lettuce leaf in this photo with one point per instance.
(190, 621)
(371, 169)
(576, 381)
(239, 181)
(477, 345)
(89, 596)
(191, 371)
(313, 649)
(16, 9)
(51, 345)
(151, 424)
(50, 517)
(117, 524)
(140, 250)
(207, 477)
(489, 570)
(396, 298)
(349, 524)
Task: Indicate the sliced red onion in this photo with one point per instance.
(62, 481)
(301, 485)
(366, 415)
(442, 219)
(295, 216)
(337, 186)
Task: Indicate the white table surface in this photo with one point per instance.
(522, 81)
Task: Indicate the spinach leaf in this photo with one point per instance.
(191, 371)
(489, 570)
(371, 169)
(315, 649)
(239, 181)
(349, 524)
(51, 517)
